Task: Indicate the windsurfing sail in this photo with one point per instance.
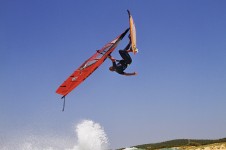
(132, 33)
(89, 66)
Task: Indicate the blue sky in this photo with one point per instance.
(179, 91)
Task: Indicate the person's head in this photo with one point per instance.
(111, 68)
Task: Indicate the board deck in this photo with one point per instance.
(132, 33)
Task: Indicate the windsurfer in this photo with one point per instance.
(122, 64)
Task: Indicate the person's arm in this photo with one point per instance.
(113, 60)
(130, 74)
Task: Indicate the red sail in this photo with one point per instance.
(89, 66)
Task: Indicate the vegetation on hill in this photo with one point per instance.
(179, 143)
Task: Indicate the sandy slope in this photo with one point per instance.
(216, 146)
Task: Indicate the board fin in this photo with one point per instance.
(63, 102)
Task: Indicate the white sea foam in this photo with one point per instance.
(132, 148)
(90, 136)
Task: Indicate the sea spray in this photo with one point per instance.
(91, 136)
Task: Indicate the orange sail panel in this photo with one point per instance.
(89, 66)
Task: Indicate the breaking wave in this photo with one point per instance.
(90, 136)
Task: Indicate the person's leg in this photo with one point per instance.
(129, 50)
(125, 55)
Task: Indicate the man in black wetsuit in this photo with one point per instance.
(121, 65)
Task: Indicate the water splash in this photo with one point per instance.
(90, 136)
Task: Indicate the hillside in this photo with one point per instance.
(186, 144)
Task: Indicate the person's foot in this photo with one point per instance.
(136, 50)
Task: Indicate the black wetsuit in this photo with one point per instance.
(121, 65)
